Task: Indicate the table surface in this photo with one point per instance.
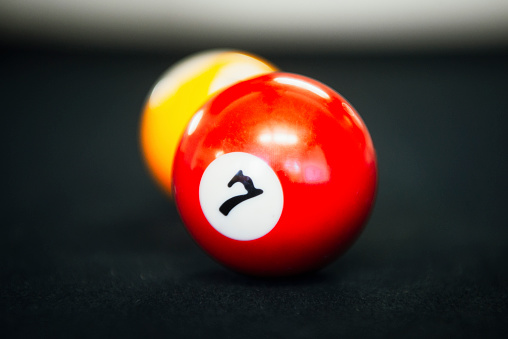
(91, 248)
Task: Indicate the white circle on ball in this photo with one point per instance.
(241, 196)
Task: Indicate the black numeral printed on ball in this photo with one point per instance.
(252, 192)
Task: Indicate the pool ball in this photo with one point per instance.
(275, 176)
(179, 93)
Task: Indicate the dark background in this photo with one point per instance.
(90, 247)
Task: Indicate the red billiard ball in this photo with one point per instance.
(275, 176)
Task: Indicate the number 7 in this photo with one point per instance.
(252, 192)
